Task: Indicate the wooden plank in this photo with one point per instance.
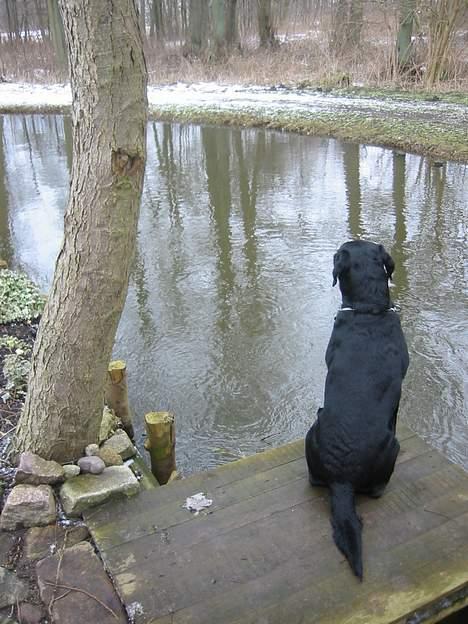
(111, 526)
(190, 566)
(264, 552)
(220, 477)
(398, 583)
(250, 495)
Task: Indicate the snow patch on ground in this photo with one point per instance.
(23, 94)
(236, 97)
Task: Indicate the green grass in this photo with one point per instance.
(408, 135)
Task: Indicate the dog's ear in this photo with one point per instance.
(341, 264)
(387, 260)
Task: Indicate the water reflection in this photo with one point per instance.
(230, 305)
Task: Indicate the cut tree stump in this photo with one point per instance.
(161, 444)
(117, 395)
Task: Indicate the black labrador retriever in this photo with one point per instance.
(352, 446)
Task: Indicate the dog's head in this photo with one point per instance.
(363, 269)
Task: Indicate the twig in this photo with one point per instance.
(59, 565)
(2, 434)
(82, 591)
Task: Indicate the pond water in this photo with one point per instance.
(231, 304)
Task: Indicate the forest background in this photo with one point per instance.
(416, 44)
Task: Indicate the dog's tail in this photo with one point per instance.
(347, 525)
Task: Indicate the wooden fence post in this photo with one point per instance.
(117, 394)
(161, 444)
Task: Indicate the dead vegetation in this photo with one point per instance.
(316, 44)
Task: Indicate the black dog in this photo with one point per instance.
(352, 446)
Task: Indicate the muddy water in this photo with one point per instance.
(230, 304)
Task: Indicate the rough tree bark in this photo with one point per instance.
(405, 32)
(198, 20)
(64, 403)
(56, 33)
(443, 19)
(266, 31)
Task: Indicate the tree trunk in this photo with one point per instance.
(157, 21)
(218, 22)
(266, 31)
(339, 32)
(56, 33)
(405, 32)
(231, 23)
(142, 17)
(63, 408)
(356, 12)
(441, 30)
(198, 19)
(6, 250)
(12, 19)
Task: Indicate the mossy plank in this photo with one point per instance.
(113, 528)
(264, 551)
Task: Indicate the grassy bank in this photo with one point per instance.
(409, 132)
(406, 135)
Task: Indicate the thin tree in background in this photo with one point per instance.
(56, 33)
(347, 21)
(405, 32)
(197, 19)
(63, 407)
(218, 25)
(157, 20)
(442, 21)
(266, 30)
(12, 19)
(232, 36)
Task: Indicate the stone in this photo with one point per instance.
(93, 465)
(12, 589)
(91, 449)
(121, 443)
(8, 543)
(30, 613)
(110, 456)
(93, 598)
(34, 470)
(70, 471)
(27, 506)
(109, 424)
(40, 542)
(87, 490)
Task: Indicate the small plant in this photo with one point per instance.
(15, 370)
(14, 345)
(20, 299)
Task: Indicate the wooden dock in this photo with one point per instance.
(264, 554)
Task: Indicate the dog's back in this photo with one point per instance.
(352, 446)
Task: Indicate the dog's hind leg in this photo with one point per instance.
(312, 454)
(382, 470)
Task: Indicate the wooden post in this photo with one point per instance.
(161, 444)
(117, 394)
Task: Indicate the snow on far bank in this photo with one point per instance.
(245, 98)
(30, 95)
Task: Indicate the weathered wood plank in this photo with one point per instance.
(194, 556)
(264, 552)
(398, 583)
(111, 525)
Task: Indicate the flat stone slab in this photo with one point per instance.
(76, 589)
(40, 542)
(87, 490)
(27, 506)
